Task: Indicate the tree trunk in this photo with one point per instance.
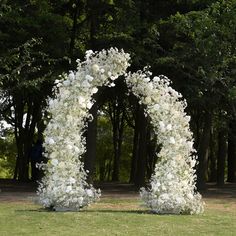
(203, 150)
(24, 134)
(90, 158)
(135, 149)
(74, 28)
(221, 158)
(231, 161)
(152, 150)
(134, 155)
(118, 128)
(142, 151)
(212, 159)
(22, 164)
(16, 170)
(94, 25)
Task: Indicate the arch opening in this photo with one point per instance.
(121, 154)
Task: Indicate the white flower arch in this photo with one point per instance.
(172, 185)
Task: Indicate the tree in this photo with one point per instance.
(200, 48)
(25, 88)
(28, 66)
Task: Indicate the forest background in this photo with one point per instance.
(191, 42)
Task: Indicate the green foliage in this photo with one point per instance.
(8, 154)
(105, 152)
(126, 155)
(34, 19)
(34, 42)
(200, 46)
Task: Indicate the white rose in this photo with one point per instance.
(162, 126)
(72, 180)
(95, 68)
(61, 164)
(172, 140)
(54, 162)
(89, 192)
(81, 100)
(89, 105)
(71, 76)
(148, 100)
(80, 200)
(69, 146)
(66, 83)
(169, 127)
(94, 90)
(85, 84)
(50, 141)
(68, 189)
(89, 78)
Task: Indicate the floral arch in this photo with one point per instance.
(172, 185)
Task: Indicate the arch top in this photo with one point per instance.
(172, 185)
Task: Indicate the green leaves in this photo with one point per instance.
(202, 45)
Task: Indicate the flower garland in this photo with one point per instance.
(64, 186)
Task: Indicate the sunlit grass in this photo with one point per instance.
(115, 217)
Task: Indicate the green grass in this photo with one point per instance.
(115, 217)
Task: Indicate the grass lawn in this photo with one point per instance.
(116, 217)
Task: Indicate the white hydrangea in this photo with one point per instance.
(64, 186)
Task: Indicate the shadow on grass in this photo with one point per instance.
(43, 210)
(117, 211)
(135, 212)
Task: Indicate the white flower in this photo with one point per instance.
(89, 78)
(54, 162)
(156, 79)
(95, 68)
(89, 105)
(71, 75)
(190, 196)
(68, 189)
(172, 140)
(66, 83)
(148, 100)
(169, 127)
(50, 141)
(81, 100)
(88, 54)
(169, 176)
(61, 164)
(156, 106)
(72, 180)
(190, 144)
(89, 192)
(162, 126)
(69, 147)
(76, 149)
(80, 200)
(85, 84)
(94, 90)
(51, 102)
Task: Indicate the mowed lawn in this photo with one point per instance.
(116, 217)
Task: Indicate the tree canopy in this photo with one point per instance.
(192, 42)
